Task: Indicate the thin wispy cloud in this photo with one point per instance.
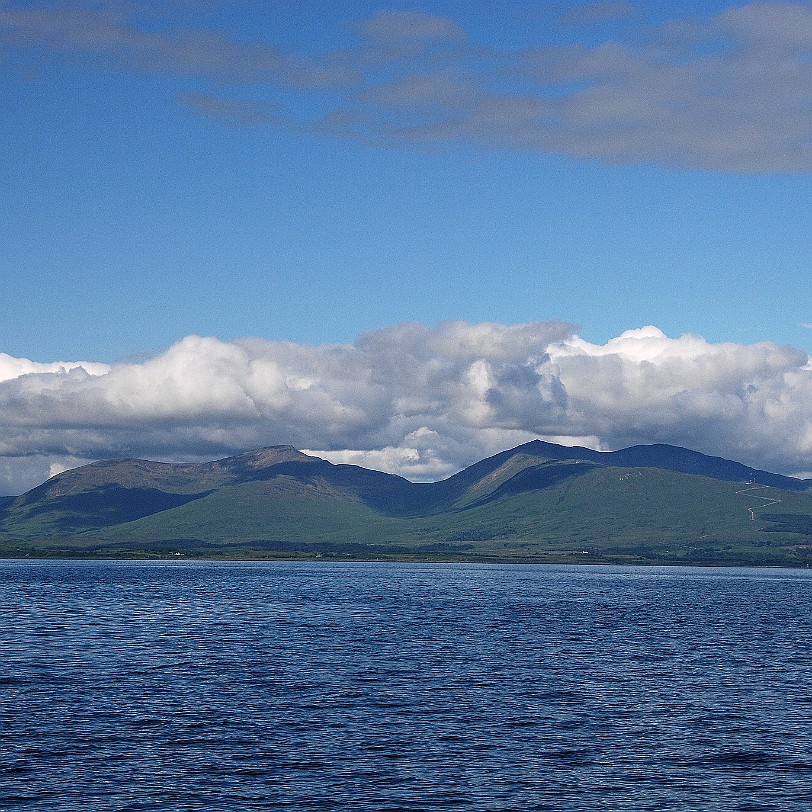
(727, 92)
(419, 401)
(113, 36)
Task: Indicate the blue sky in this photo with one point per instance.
(133, 219)
(308, 172)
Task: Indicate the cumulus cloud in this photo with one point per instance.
(17, 367)
(730, 91)
(419, 401)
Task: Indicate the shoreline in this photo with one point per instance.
(614, 561)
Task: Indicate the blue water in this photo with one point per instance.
(241, 686)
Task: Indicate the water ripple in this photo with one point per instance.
(239, 686)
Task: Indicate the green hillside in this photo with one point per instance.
(538, 502)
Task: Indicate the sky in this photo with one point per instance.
(405, 236)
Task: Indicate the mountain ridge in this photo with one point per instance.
(538, 501)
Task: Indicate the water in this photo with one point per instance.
(241, 686)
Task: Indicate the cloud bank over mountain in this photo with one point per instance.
(701, 92)
(419, 401)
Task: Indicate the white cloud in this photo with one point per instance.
(15, 367)
(748, 402)
(410, 399)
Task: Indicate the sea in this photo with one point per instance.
(192, 685)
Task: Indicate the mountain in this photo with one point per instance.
(537, 502)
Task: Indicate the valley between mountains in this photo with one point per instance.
(539, 502)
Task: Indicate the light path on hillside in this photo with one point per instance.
(768, 500)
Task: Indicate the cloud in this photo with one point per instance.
(104, 35)
(234, 111)
(415, 400)
(390, 27)
(17, 367)
(700, 93)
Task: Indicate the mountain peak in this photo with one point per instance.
(265, 457)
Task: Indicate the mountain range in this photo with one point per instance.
(539, 502)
